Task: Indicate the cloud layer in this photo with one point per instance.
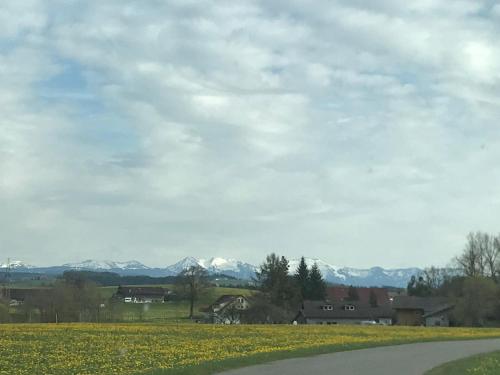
(364, 133)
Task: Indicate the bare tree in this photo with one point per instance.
(471, 261)
(193, 281)
(492, 254)
(231, 314)
(481, 256)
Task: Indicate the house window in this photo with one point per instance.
(349, 307)
(327, 307)
(240, 299)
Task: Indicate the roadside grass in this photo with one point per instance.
(482, 364)
(214, 367)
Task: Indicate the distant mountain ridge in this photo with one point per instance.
(375, 276)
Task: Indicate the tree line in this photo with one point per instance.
(472, 281)
(70, 299)
(113, 279)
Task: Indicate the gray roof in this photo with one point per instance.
(225, 298)
(429, 305)
(439, 310)
(314, 309)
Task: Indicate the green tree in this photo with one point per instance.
(317, 285)
(4, 313)
(277, 284)
(262, 311)
(302, 278)
(417, 286)
(478, 301)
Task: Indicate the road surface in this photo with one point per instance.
(408, 359)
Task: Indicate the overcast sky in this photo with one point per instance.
(360, 132)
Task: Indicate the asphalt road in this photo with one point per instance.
(409, 359)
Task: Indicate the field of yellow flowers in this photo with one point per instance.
(70, 349)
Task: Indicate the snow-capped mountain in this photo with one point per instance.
(375, 276)
(183, 264)
(90, 264)
(229, 267)
(15, 264)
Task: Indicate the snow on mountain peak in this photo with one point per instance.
(184, 264)
(217, 262)
(327, 270)
(106, 265)
(15, 264)
(375, 276)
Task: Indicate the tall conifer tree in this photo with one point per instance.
(302, 278)
(316, 284)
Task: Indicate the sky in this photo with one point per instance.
(359, 132)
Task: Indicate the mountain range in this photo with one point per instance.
(375, 276)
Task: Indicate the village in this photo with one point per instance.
(342, 305)
(465, 296)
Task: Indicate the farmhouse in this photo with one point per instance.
(227, 309)
(420, 311)
(349, 312)
(141, 294)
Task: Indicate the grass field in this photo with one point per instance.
(121, 349)
(483, 364)
(168, 312)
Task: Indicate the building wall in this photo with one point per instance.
(229, 313)
(437, 321)
(142, 299)
(409, 317)
(333, 321)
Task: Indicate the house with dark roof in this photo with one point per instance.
(347, 312)
(227, 309)
(422, 311)
(141, 294)
(364, 295)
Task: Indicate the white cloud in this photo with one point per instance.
(360, 132)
